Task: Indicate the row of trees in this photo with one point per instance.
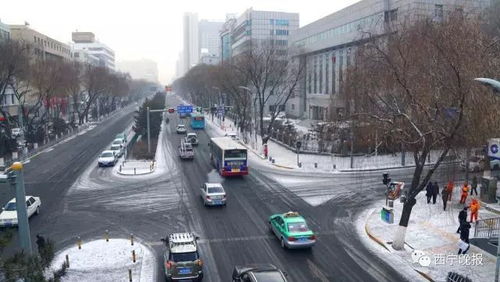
(261, 78)
(45, 88)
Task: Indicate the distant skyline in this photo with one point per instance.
(146, 29)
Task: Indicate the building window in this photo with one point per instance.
(327, 68)
(271, 22)
(293, 106)
(281, 32)
(309, 82)
(271, 32)
(320, 74)
(281, 108)
(282, 22)
(394, 15)
(438, 11)
(272, 108)
(315, 76)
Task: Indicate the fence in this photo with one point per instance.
(487, 228)
(455, 277)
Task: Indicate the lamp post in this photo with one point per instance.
(495, 86)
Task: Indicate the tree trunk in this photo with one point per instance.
(399, 237)
(467, 162)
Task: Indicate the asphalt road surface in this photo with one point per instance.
(80, 199)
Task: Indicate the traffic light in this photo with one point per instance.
(386, 179)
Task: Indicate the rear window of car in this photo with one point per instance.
(178, 257)
(180, 126)
(271, 276)
(116, 147)
(215, 190)
(107, 155)
(297, 227)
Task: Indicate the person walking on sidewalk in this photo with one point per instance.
(435, 192)
(474, 185)
(444, 195)
(428, 193)
(449, 189)
(462, 217)
(474, 209)
(465, 193)
(464, 244)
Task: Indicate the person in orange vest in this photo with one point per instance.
(474, 209)
(449, 188)
(465, 192)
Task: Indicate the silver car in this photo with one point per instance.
(213, 194)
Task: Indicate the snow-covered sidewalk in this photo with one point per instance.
(431, 232)
(107, 261)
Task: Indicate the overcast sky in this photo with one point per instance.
(145, 28)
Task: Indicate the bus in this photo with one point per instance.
(197, 121)
(228, 156)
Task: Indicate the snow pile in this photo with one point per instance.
(432, 231)
(107, 261)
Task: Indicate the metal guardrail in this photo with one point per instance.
(455, 277)
(487, 228)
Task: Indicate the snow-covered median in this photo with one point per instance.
(107, 261)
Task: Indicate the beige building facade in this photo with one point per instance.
(45, 47)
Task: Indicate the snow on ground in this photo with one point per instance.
(432, 231)
(107, 261)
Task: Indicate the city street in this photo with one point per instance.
(80, 199)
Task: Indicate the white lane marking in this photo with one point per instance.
(316, 271)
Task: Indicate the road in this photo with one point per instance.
(80, 199)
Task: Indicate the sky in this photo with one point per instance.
(150, 29)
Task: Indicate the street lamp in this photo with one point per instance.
(495, 86)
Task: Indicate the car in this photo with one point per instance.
(192, 138)
(233, 135)
(213, 194)
(258, 273)
(107, 158)
(121, 136)
(186, 150)
(476, 164)
(8, 216)
(181, 129)
(118, 149)
(119, 141)
(182, 260)
(292, 230)
(16, 132)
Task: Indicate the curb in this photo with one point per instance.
(485, 205)
(282, 166)
(425, 275)
(373, 237)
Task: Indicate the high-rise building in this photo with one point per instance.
(225, 38)
(44, 46)
(140, 69)
(191, 47)
(209, 40)
(84, 43)
(4, 32)
(329, 46)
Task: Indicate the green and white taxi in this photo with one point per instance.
(292, 230)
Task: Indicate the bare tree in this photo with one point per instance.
(272, 75)
(416, 85)
(95, 82)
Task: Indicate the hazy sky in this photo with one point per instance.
(145, 28)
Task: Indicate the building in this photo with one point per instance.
(4, 32)
(88, 49)
(45, 47)
(191, 47)
(329, 45)
(140, 69)
(209, 40)
(225, 38)
(252, 26)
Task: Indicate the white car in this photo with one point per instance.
(107, 158)
(8, 217)
(16, 132)
(118, 149)
(213, 194)
(233, 135)
(181, 129)
(192, 138)
(476, 164)
(118, 141)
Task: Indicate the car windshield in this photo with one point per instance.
(270, 276)
(106, 155)
(212, 190)
(177, 257)
(297, 227)
(115, 148)
(117, 142)
(10, 206)
(180, 126)
(235, 154)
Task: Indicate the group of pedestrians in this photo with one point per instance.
(432, 190)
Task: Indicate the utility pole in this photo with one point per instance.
(149, 138)
(16, 178)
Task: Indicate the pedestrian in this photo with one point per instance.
(474, 209)
(465, 193)
(428, 192)
(444, 195)
(449, 188)
(474, 185)
(40, 242)
(435, 192)
(462, 217)
(464, 237)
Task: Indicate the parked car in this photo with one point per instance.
(107, 158)
(121, 136)
(213, 194)
(181, 129)
(119, 150)
(182, 260)
(192, 138)
(233, 135)
(119, 141)
(258, 273)
(476, 164)
(292, 230)
(8, 216)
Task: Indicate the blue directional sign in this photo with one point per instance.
(184, 109)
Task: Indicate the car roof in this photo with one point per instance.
(191, 133)
(107, 151)
(13, 200)
(180, 125)
(292, 217)
(210, 185)
(117, 139)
